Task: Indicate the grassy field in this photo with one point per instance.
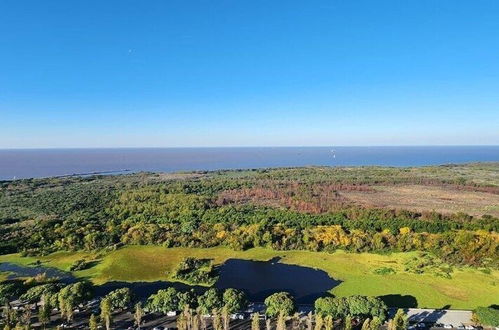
(427, 198)
(467, 289)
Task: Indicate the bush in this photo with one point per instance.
(196, 271)
(384, 271)
(488, 316)
(280, 302)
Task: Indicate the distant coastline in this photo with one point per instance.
(37, 163)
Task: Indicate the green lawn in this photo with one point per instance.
(467, 289)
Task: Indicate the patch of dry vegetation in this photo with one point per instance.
(427, 198)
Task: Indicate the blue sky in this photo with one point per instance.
(163, 73)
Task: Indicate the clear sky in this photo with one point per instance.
(161, 73)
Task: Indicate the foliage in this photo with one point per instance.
(196, 271)
(164, 301)
(234, 300)
(80, 264)
(106, 312)
(35, 293)
(92, 323)
(72, 295)
(138, 314)
(284, 209)
(280, 302)
(425, 263)
(399, 321)
(9, 290)
(488, 316)
(255, 321)
(210, 300)
(353, 306)
(119, 298)
(384, 271)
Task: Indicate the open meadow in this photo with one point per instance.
(467, 289)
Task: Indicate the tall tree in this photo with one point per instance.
(255, 321)
(310, 321)
(268, 324)
(234, 300)
(281, 322)
(217, 320)
(399, 321)
(44, 311)
(318, 322)
(328, 323)
(225, 318)
(375, 323)
(366, 324)
(280, 302)
(106, 312)
(138, 315)
(92, 323)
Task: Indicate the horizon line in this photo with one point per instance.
(255, 146)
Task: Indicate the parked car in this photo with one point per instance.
(469, 327)
(237, 316)
(460, 327)
(171, 313)
(159, 327)
(448, 326)
(420, 325)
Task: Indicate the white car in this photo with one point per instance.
(237, 316)
(469, 327)
(448, 326)
(171, 313)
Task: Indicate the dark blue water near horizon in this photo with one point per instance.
(36, 163)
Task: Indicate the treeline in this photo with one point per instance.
(195, 308)
(42, 216)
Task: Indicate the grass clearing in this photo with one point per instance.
(468, 288)
(427, 198)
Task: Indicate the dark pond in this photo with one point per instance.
(25, 271)
(258, 279)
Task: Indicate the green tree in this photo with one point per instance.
(280, 302)
(44, 311)
(281, 322)
(234, 300)
(106, 312)
(328, 322)
(186, 299)
(139, 314)
(255, 321)
(375, 323)
(225, 318)
(399, 321)
(217, 320)
(318, 322)
(92, 323)
(72, 295)
(488, 316)
(347, 322)
(119, 298)
(366, 324)
(209, 301)
(164, 301)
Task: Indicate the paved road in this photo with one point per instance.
(444, 316)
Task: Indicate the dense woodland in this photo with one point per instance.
(296, 208)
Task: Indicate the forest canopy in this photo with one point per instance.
(290, 208)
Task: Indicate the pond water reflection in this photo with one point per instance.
(258, 279)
